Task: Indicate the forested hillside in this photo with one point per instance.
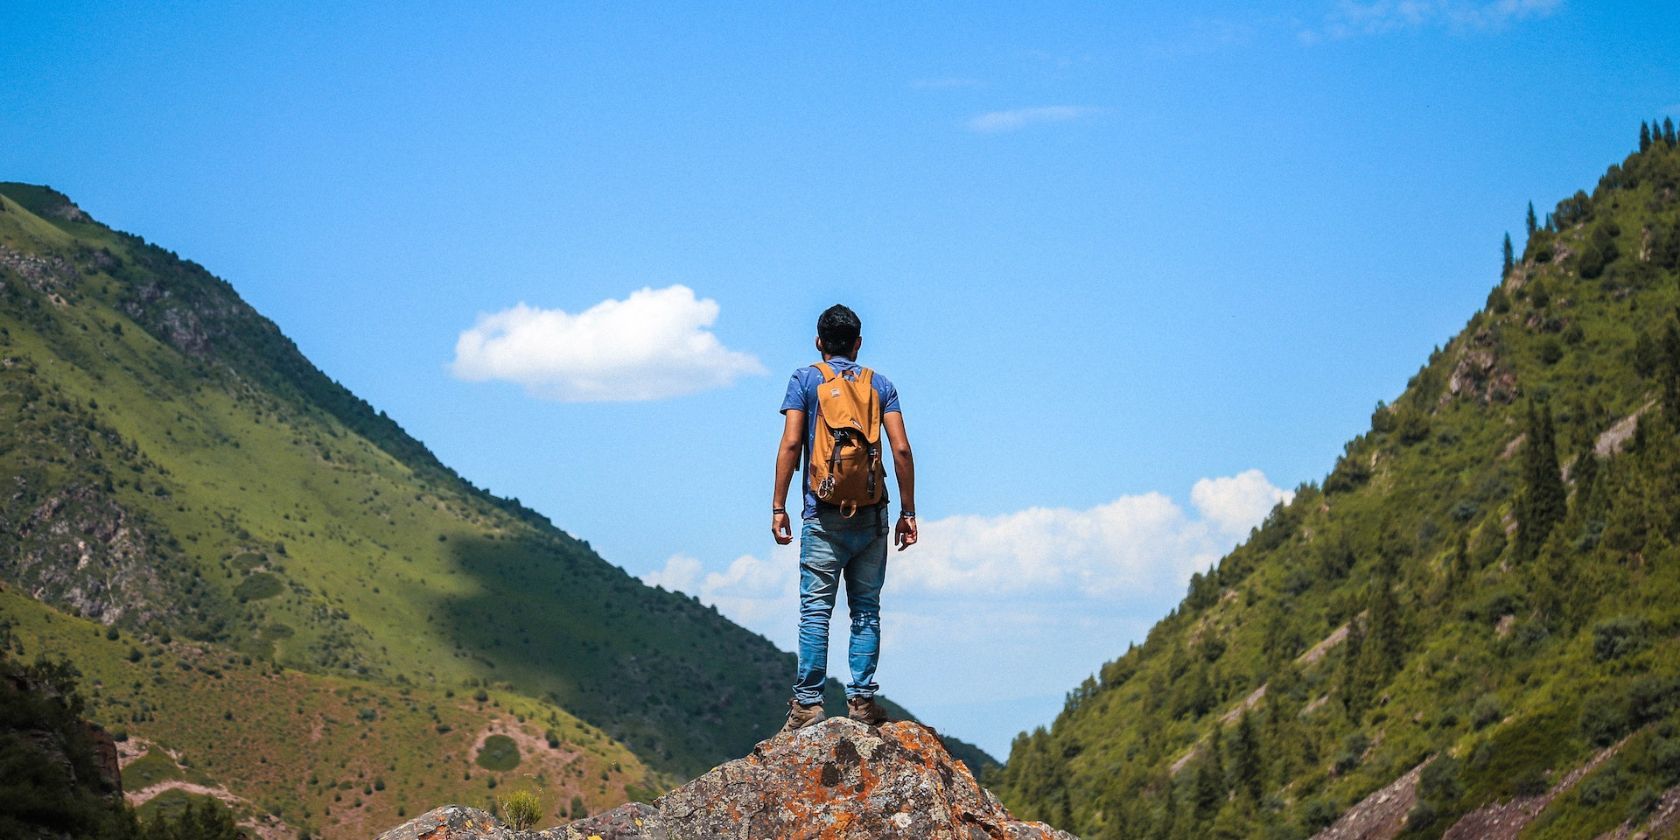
(1479, 605)
(178, 473)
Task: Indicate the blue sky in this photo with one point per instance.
(1137, 269)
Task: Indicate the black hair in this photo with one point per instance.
(838, 329)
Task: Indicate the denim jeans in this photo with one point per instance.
(832, 547)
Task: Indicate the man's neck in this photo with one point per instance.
(829, 357)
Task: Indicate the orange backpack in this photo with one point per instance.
(846, 467)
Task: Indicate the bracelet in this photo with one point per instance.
(906, 514)
(774, 511)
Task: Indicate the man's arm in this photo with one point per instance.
(787, 461)
(904, 468)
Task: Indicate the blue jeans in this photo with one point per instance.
(832, 547)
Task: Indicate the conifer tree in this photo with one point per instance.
(1352, 687)
(1506, 268)
(1208, 787)
(1668, 131)
(1544, 500)
(1671, 372)
(1644, 136)
(1247, 775)
(1530, 220)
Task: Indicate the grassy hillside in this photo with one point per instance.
(331, 755)
(1488, 582)
(174, 467)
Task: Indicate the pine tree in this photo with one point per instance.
(1544, 500)
(1644, 136)
(1208, 787)
(1246, 772)
(1353, 695)
(1386, 638)
(1506, 269)
(1530, 220)
(1671, 372)
(1668, 131)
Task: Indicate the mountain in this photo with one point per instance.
(1471, 627)
(177, 473)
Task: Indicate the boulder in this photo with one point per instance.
(836, 779)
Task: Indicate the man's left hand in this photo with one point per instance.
(904, 533)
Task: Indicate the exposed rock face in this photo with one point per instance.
(837, 779)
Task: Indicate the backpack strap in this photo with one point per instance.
(826, 370)
(865, 376)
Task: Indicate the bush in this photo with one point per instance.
(1603, 720)
(1485, 711)
(1318, 814)
(1651, 698)
(521, 809)
(1423, 815)
(1551, 352)
(1439, 781)
(1617, 637)
(1532, 783)
(1353, 751)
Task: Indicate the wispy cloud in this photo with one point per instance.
(656, 343)
(1060, 590)
(946, 83)
(1352, 18)
(995, 122)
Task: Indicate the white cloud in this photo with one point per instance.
(1235, 504)
(655, 344)
(1352, 18)
(1040, 597)
(994, 122)
(759, 594)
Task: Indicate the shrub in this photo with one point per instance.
(1423, 815)
(1617, 637)
(1318, 814)
(1485, 711)
(521, 809)
(1439, 781)
(1603, 720)
(1644, 802)
(1551, 352)
(1652, 697)
(1532, 783)
(1601, 787)
(1353, 751)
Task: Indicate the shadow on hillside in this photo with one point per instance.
(678, 683)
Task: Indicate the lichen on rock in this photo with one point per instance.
(837, 779)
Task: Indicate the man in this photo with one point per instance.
(836, 542)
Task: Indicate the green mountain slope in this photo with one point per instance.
(1488, 578)
(331, 755)
(173, 464)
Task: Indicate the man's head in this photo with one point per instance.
(839, 331)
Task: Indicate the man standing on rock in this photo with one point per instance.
(834, 414)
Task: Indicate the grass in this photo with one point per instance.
(303, 745)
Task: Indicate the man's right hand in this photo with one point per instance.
(781, 528)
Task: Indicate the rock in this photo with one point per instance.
(837, 779)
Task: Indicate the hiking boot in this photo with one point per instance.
(866, 711)
(801, 716)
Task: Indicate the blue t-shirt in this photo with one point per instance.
(802, 394)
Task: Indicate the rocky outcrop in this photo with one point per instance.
(838, 779)
(1380, 816)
